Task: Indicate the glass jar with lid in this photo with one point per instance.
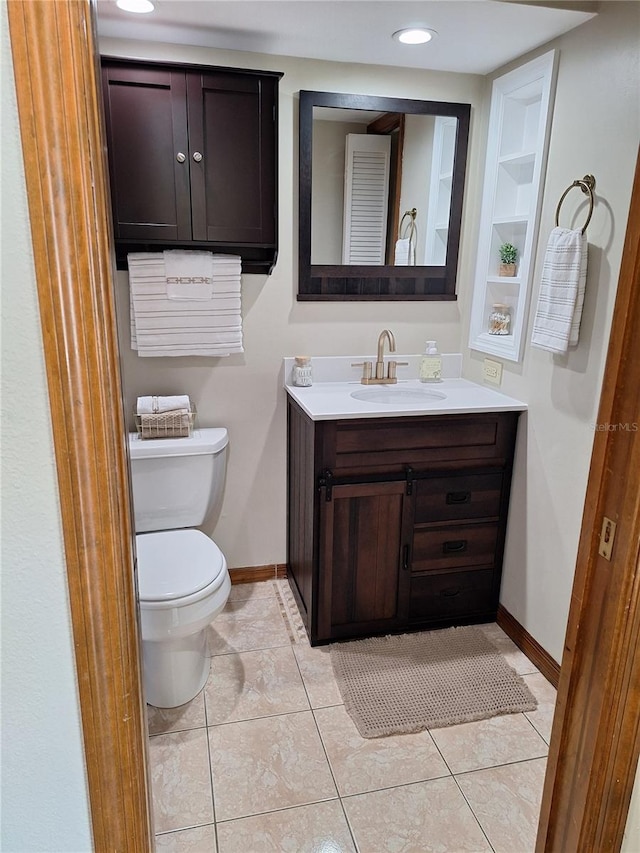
(302, 375)
(500, 319)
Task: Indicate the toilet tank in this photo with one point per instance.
(177, 482)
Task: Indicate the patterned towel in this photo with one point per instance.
(556, 325)
(188, 275)
(166, 327)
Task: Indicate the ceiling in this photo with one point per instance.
(474, 36)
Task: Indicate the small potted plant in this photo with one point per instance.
(508, 254)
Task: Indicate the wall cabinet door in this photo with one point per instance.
(146, 126)
(365, 534)
(232, 148)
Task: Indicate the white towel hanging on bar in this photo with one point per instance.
(164, 327)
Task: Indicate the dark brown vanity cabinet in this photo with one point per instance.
(192, 159)
(397, 523)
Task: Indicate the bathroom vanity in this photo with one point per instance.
(397, 512)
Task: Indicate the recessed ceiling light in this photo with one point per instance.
(140, 6)
(414, 35)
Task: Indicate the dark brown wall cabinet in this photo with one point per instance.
(397, 523)
(192, 159)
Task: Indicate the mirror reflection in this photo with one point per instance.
(381, 187)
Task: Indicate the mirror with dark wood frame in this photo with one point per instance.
(381, 190)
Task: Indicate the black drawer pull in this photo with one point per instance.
(450, 593)
(454, 546)
(458, 497)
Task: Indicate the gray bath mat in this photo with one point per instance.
(407, 683)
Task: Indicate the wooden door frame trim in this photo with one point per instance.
(595, 741)
(55, 60)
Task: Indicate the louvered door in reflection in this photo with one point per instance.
(366, 192)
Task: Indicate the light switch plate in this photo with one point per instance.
(492, 371)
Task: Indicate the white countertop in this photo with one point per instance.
(333, 401)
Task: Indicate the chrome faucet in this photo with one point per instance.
(368, 377)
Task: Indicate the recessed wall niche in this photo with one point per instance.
(519, 123)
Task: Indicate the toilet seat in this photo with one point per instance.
(177, 566)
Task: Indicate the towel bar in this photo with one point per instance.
(587, 185)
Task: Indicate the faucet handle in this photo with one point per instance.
(391, 369)
(367, 368)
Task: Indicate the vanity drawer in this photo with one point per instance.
(394, 444)
(454, 547)
(457, 498)
(450, 594)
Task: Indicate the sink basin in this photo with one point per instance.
(395, 394)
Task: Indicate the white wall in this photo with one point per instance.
(327, 198)
(44, 792)
(631, 839)
(595, 129)
(244, 392)
(416, 177)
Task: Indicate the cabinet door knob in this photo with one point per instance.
(197, 156)
(180, 157)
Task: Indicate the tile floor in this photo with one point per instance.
(265, 758)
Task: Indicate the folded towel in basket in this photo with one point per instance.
(157, 405)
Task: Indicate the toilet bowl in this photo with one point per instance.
(176, 608)
(183, 579)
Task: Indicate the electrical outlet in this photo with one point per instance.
(492, 371)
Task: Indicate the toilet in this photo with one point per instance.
(183, 579)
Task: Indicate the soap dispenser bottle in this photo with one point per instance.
(431, 364)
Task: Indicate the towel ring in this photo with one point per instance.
(412, 215)
(587, 185)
